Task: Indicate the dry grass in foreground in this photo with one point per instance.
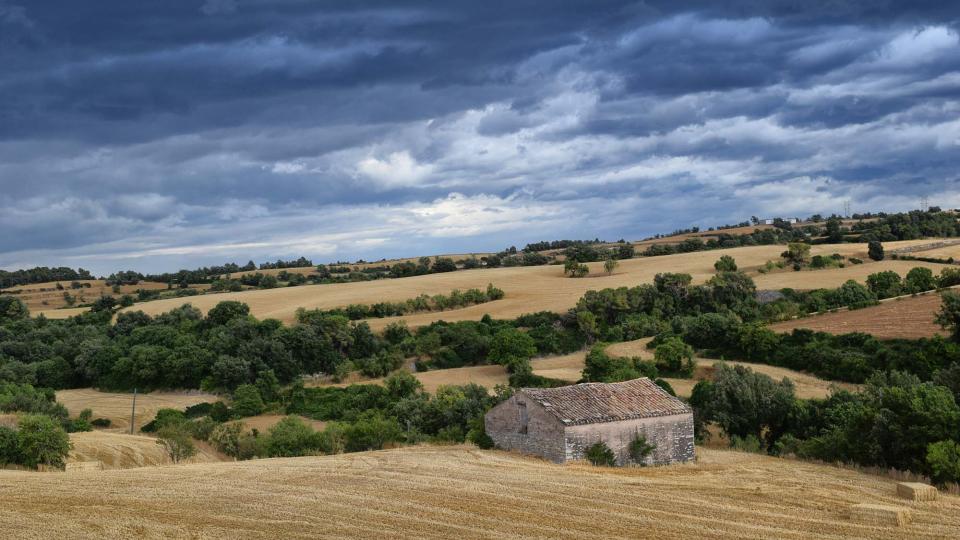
(445, 492)
(116, 406)
(903, 318)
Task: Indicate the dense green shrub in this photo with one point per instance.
(41, 441)
(600, 455)
(639, 449)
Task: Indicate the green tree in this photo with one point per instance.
(177, 443)
(42, 441)
(886, 284)
(247, 400)
(725, 263)
(268, 385)
(443, 264)
(104, 303)
(949, 315)
(291, 437)
(403, 384)
(834, 232)
(9, 446)
(610, 265)
(745, 403)
(600, 455)
(920, 279)
(797, 253)
(673, 356)
(943, 458)
(224, 312)
(13, 309)
(511, 344)
(875, 250)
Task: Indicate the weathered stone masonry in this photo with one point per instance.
(560, 424)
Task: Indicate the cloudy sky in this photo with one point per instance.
(155, 135)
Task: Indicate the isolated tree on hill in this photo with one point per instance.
(580, 271)
(797, 253)
(569, 266)
(610, 265)
(875, 250)
(726, 263)
(834, 233)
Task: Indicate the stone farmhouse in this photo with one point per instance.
(559, 424)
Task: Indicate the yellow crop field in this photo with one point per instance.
(46, 296)
(528, 289)
(124, 451)
(445, 492)
(116, 406)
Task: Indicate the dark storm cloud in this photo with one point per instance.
(136, 133)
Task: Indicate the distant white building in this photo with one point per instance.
(790, 220)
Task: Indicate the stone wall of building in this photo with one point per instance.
(544, 434)
(672, 436)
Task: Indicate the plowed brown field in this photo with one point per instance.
(903, 318)
(461, 492)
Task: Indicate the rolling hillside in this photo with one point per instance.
(528, 289)
(444, 492)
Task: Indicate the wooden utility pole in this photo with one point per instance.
(133, 410)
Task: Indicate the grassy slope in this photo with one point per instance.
(444, 492)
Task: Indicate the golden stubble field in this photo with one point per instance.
(125, 451)
(461, 492)
(529, 289)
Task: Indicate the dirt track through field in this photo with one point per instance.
(446, 492)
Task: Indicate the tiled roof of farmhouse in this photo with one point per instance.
(591, 403)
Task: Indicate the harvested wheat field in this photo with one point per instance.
(528, 289)
(444, 492)
(901, 318)
(47, 296)
(124, 451)
(116, 406)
